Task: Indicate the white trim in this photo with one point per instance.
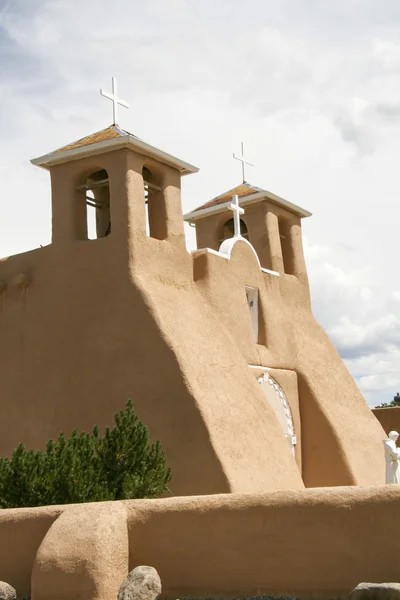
(262, 368)
(244, 201)
(227, 246)
(290, 434)
(270, 272)
(124, 141)
(210, 251)
(227, 250)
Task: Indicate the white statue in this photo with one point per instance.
(392, 455)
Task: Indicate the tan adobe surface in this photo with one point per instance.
(86, 324)
(310, 543)
(389, 418)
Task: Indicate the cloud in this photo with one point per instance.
(363, 323)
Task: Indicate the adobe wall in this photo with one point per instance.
(389, 418)
(312, 543)
(22, 531)
(131, 316)
(120, 317)
(334, 415)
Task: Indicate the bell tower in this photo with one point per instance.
(111, 184)
(119, 182)
(271, 224)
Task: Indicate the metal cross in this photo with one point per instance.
(114, 98)
(243, 161)
(234, 206)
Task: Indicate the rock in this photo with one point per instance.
(376, 591)
(7, 592)
(143, 583)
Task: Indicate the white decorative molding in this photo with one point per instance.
(227, 246)
(261, 368)
(291, 435)
(210, 251)
(225, 251)
(275, 273)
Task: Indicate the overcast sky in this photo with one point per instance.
(312, 87)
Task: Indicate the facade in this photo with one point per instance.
(218, 348)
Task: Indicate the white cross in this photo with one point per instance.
(243, 161)
(234, 206)
(114, 98)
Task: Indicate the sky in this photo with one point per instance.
(311, 87)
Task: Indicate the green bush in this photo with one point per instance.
(87, 467)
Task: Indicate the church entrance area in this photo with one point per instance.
(278, 401)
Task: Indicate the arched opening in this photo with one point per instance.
(97, 198)
(228, 230)
(277, 400)
(156, 220)
(287, 251)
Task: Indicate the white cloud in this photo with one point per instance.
(362, 322)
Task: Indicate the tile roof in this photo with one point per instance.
(249, 194)
(100, 136)
(244, 189)
(112, 137)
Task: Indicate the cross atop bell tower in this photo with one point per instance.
(114, 98)
(113, 184)
(244, 162)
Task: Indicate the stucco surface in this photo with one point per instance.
(334, 415)
(389, 418)
(318, 542)
(96, 322)
(84, 555)
(21, 532)
(122, 317)
(315, 543)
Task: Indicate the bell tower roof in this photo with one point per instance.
(111, 138)
(247, 194)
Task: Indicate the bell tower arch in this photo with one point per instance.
(133, 188)
(272, 226)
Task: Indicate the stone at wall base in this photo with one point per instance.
(143, 583)
(7, 592)
(376, 591)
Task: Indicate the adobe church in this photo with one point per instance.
(218, 348)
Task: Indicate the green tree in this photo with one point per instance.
(122, 464)
(394, 402)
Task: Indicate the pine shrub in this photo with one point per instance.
(85, 467)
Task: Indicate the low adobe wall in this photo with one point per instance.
(21, 533)
(314, 543)
(389, 418)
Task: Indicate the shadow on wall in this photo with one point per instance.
(113, 348)
(323, 462)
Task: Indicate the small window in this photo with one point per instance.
(97, 198)
(156, 218)
(91, 216)
(252, 303)
(287, 251)
(228, 230)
